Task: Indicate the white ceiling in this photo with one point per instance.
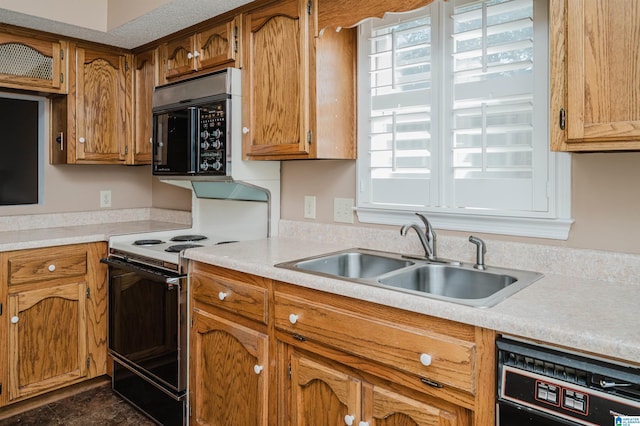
(159, 22)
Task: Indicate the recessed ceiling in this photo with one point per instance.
(157, 23)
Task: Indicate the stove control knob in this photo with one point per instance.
(51, 268)
(222, 295)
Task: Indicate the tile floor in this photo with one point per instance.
(95, 407)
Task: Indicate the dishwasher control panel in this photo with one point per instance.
(566, 386)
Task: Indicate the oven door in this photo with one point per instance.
(147, 322)
(174, 141)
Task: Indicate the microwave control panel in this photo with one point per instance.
(212, 151)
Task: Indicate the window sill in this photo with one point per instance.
(556, 229)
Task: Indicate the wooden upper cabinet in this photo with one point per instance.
(212, 48)
(32, 64)
(292, 80)
(595, 75)
(89, 125)
(145, 76)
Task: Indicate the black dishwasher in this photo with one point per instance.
(539, 385)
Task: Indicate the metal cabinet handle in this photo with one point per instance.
(348, 419)
(363, 424)
(293, 318)
(81, 140)
(245, 130)
(222, 295)
(257, 369)
(14, 320)
(52, 267)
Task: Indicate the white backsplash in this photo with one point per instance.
(593, 264)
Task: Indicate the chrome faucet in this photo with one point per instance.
(428, 238)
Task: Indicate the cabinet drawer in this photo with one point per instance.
(230, 294)
(46, 264)
(418, 349)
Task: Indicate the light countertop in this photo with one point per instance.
(587, 300)
(580, 313)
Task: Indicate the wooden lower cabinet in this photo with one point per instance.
(323, 395)
(265, 352)
(55, 321)
(230, 372)
(47, 338)
(228, 375)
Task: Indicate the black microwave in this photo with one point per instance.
(191, 128)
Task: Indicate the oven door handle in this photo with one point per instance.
(141, 270)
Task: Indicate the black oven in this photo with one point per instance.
(191, 127)
(147, 338)
(539, 385)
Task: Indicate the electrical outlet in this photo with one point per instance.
(105, 199)
(309, 207)
(343, 210)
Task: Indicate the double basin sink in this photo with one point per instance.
(445, 280)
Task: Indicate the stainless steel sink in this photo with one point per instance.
(355, 263)
(449, 281)
(455, 282)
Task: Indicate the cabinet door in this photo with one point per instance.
(218, 46)
(101, 107)
(179, 57)
(47, 338)
(30, 63)
(321, 395)
(602, 72)
(229, 372)
(383, 407)
(144, 81)
(276, 80)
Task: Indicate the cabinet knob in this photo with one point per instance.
(257, 369)
(245, 130)
(293, 318)
(81, 140)
(348, 419)
(425, 359)
(51, 268)
(222, 295)
(14, 320)
(363, 424)
(190, 55)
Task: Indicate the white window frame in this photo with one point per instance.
(554, 223)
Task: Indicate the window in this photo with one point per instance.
(453, 120)
(22, 119)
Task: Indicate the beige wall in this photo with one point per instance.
(90, 14)
(605, 197)
(72, 188)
